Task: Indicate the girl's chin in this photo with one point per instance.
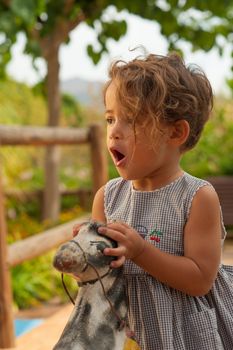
(125, 175)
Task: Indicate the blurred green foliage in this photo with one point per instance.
(19, 105)
(36, 281)
(71, 111)
(23, 166)
(213, 155)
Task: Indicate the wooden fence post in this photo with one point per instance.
(51, 195)
(98, 157)
(6, 314)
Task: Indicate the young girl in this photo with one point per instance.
(168, 224)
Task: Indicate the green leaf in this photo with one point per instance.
(25, 9)
(114, 29)
(94, 55)
(230, 84)
(32, 47)
(8, 24)
(5, 46)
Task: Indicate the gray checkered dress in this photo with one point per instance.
(162, 317)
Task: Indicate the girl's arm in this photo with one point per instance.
(193, 273)
(98, 206)
(97, 210)
(99, 215)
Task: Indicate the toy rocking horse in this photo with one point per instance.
(97, 321)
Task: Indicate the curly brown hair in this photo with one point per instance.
(156, 90)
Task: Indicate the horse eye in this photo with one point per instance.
(100, 245)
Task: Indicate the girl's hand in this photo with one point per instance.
(130, 243)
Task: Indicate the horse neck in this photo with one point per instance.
(112, 285)
(93, 319)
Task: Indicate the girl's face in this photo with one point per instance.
(130, 147)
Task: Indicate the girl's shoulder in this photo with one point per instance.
(116, 192)
(117, 184)
(193, 185)
(190, 185)
(195, 181)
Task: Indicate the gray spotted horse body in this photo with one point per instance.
(97, 320)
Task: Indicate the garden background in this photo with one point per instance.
(204, 27)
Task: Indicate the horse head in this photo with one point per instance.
(83, 257)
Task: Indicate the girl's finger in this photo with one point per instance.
(119, 251)
(115, 235)
(118, 263)
(118, 225)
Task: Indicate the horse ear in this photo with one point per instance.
(112, 241)
(94, 225)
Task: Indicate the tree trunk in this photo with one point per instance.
(52, 156)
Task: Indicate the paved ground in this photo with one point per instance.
(45, 336)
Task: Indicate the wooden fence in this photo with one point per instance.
(40, 243)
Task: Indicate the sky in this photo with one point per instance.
(75, 63)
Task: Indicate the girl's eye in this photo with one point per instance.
(109, 120)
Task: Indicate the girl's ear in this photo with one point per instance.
(179, 132)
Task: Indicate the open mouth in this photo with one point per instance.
(118, 156)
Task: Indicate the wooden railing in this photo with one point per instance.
(40, 243)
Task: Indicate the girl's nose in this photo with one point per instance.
(114, 136)
(116, 132)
